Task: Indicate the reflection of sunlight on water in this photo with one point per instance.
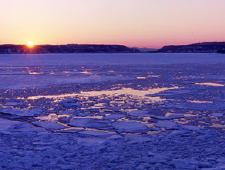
(31, 72)
(210, 84)
(141, 77)
(66, 71)
(86, 72)
(123, 91)
(128, 91)
(198, 101)
(53, 96)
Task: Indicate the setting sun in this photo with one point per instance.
(30, 44)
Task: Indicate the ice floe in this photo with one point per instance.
(167, 124)
(130, 127)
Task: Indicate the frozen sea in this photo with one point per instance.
(112, 111)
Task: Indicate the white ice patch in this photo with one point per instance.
(199, 101)
(210, 84)
(128, 91)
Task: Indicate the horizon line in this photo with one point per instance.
(119, 44)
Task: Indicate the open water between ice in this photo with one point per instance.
(112, 111)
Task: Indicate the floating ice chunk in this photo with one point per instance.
(173, 116)
(80, 122)
(114, 116)
(91, 142)
(139, 113)
(130, 127)
(90, 123)
(49, 125)
(22, 112)
(167, 124)
(16, 104)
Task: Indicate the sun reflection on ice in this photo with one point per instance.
(124, 91)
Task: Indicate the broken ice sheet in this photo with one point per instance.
(16, 104)
(8, 126)
(130, 127)
(139, 113)
(49, 125)
(22, 112)
(90, 123)
(169, 125)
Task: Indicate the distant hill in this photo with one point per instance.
(205, 47)
(146, 50)
(70, 48)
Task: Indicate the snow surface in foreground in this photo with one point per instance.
(112, 111)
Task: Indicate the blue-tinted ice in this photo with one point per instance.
(112, 111)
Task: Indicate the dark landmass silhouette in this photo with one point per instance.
(69, 48)
(205, 47)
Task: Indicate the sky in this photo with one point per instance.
(134, 23)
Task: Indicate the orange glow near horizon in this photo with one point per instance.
(30, 44)
(143, 23)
